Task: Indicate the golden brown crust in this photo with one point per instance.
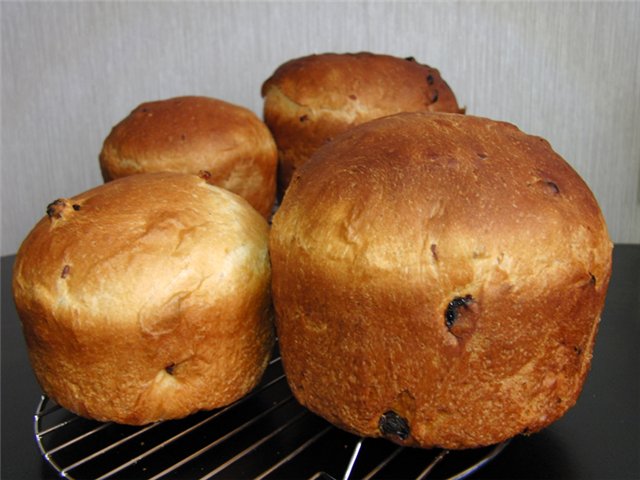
(192, 134)
(310, 100)
(147, 298)
(438, 277)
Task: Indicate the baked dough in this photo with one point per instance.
(438, 280)
(310, 100)
(194, 134)
(146, 298)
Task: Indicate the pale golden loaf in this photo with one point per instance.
(310, 100)
(438, 280)
(191, 134)
(146, 298)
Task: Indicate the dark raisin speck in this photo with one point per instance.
(76, 207)
(410, 59)
(55, 208)
(169, 368)
(303, 118)
(430, 79)
(391, 423)
(434, 97)
(65, 271)
(203, 174)
(451, 314)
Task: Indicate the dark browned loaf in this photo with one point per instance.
(438, 280)
(191, 134)
(147, 298)
(310, 100)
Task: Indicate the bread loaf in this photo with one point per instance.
(310, 100)
(438, 281)
(146, 298)
(192, 134)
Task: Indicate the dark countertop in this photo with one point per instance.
(597, 439)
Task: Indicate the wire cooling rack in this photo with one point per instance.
(267, 434)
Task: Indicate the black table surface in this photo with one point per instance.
(599, 438)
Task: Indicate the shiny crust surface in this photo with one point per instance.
(147, 298)
(310, 100)
(192, 134)
(438, 280)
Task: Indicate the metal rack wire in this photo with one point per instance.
(267, 434)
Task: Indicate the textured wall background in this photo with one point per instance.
(569, 72)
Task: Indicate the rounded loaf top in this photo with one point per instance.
(308, 101)
(352, 84)
(447, 186)
(123, 242)
(190, 134)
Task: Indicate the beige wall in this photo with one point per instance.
(567, 71)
